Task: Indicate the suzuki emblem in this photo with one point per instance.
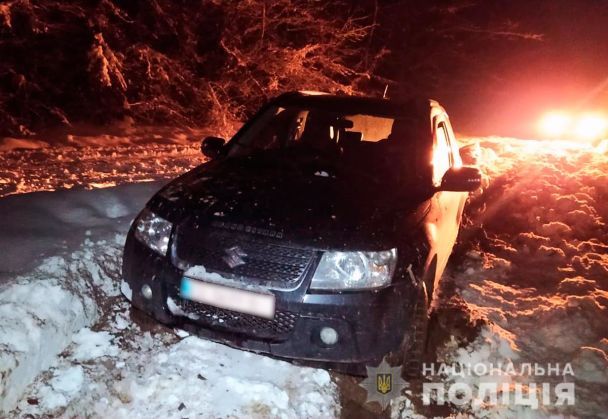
(234, 257)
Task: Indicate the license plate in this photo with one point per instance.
(228, 298)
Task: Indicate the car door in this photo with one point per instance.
(456, 162)
(446, 203)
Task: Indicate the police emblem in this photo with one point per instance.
(383, 384)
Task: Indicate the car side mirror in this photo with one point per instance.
(212, 146)
(461, 179)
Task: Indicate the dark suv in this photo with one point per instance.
(317, 233)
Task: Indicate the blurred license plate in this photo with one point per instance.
(235, 299)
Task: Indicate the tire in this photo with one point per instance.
(415, 339)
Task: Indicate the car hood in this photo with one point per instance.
(310, 202)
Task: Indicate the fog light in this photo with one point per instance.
(146, 291)
(329, 336)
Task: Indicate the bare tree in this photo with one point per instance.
(281, 45)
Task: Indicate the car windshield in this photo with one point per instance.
(351, 139)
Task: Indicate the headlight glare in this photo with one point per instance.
(354, 270)
(153, 231)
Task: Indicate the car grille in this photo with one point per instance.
(246, 324)
(265, 259)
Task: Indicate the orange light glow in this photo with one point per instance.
(590, 127)
(565, 126)
(554, 124)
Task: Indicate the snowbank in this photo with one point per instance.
(29, 166)
(65, 323)
(41, 311)
(37, 321)
(43, 224)
(533, 262)
(42, 307)
(527, 287)
(159, 375)
(195, 378)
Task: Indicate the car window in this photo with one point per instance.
(442, 159)
(456, 160)
(317, 128)
(270, 131)
(381, 146)
(372, 128)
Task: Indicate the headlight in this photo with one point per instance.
(153, 231)
(354, 270)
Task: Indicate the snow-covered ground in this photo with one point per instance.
(94, 160)
(64, 319)
(528, 284)
(532, 271)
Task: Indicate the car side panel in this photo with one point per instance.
(443, 221)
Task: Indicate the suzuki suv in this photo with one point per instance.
(317, 233)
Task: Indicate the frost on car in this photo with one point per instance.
(317, 233)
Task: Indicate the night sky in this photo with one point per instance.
(521, 79)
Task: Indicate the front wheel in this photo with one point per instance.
(415, 338)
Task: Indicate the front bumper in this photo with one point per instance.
(369, 324)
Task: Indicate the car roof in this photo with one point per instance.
(419, 107)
